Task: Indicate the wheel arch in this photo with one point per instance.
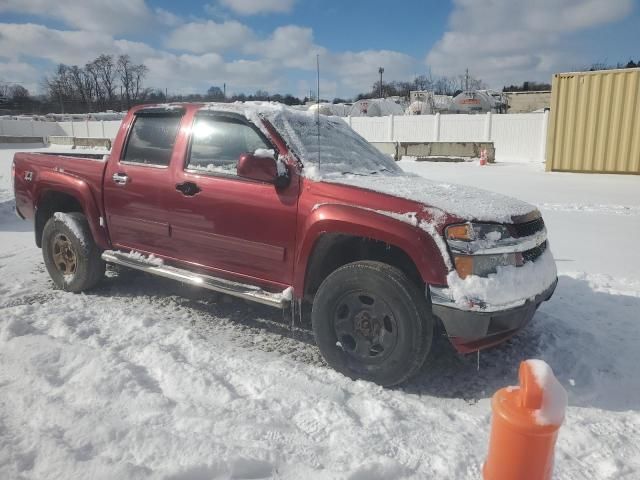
(335, 235)
(61, 193)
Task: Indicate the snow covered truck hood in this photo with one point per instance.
(464, 202)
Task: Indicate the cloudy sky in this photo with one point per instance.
(272, 44)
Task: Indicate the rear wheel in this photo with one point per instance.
(70, 254)
(371, 322)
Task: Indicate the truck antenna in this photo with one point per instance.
(318, 107)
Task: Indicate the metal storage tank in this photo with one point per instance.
(595, 122)
(375, 107)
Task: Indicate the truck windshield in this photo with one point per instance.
(341, 150)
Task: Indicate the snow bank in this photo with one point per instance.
(554, 396)
(509, 286)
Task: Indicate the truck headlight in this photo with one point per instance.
(477, 232)
(472, 243)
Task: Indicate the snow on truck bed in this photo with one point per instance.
(143, 378)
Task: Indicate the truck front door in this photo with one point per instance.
(239, 228)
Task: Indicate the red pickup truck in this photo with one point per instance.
(289, 209)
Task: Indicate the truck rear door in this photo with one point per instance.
(137, 184)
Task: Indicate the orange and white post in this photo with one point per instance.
(483, 157)
(525, 425)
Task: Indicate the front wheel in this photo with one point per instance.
(371, 322)
(71, 256)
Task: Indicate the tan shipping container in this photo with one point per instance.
(595, 122)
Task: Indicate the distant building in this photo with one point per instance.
(525, 102)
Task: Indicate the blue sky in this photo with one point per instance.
(272, 44)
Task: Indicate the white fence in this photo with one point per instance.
(29, 128)
(78, 128)
(518, 137)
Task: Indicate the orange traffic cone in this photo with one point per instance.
(525, 425)
(483, 157)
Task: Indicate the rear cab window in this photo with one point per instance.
(152, 137)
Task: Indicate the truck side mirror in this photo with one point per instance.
(263, 169)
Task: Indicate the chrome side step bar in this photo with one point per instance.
(235, 289)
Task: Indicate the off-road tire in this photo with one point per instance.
(371, 282)
(67, 239)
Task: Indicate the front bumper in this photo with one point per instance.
(473, 330)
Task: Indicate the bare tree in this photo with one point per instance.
(93, 78)
(138, 74)
(125, 68)
(423, 82)
(82, 86)
(106, 72)
(445, 86)
(4, 89)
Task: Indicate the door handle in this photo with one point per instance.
(120, 178)
(188, 189)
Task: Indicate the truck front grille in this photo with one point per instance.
(528, 228)
(534, 253)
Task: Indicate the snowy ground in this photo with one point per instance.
(144, 378)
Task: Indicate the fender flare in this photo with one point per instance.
(356, 221)
(59, 182)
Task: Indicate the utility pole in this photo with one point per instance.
(381, 71)
(466, 79)
(224, 90)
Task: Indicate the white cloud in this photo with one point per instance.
(202, 37)
(505, 41)
(252, 7)
(291, 46)
(62, 46)
(19, 72)
(199, 54)
(165, 17)
(112, 16)
(359, 70)
(202, 71)
(184, 73)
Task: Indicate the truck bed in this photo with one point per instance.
(58, 169)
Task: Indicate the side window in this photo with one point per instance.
(218, 142)
(151, 139)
